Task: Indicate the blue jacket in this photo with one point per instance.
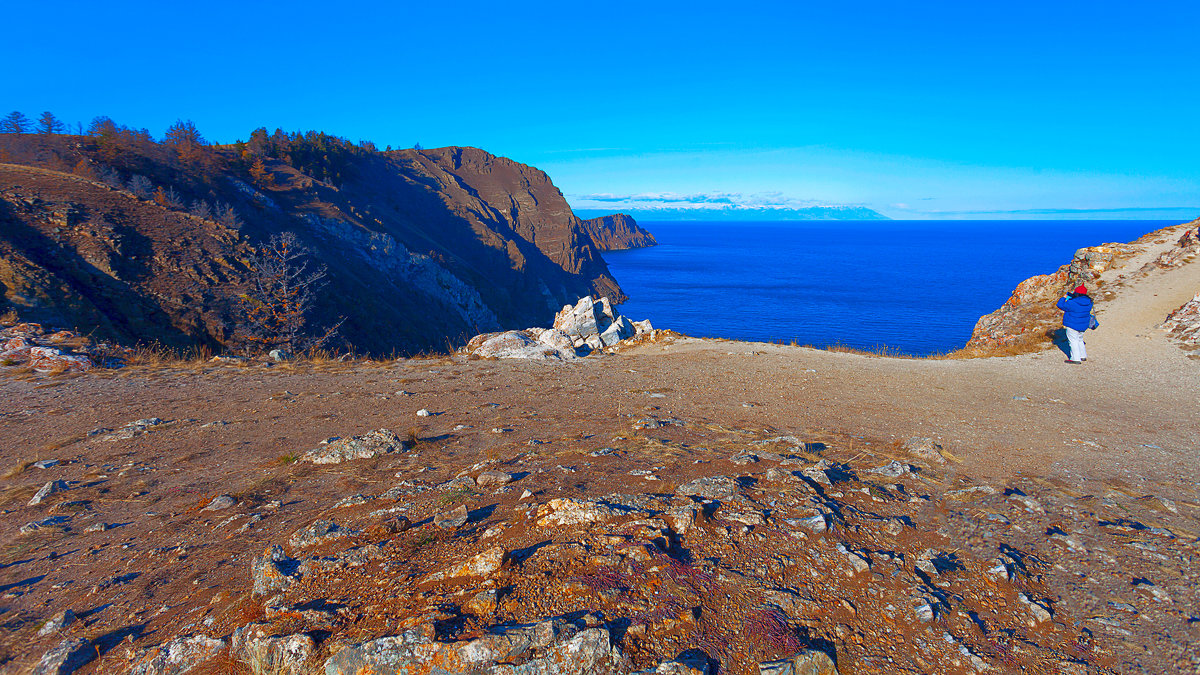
(1077, 311)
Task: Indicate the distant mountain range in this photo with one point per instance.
(744, 213)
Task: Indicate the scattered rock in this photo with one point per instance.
(892, 469)
(926, 449)
(273, 570)
(808, 662)
(483, 603)
(57, 622)
(366, 446)
(692, 662)
(45, 523)
(47, 490)
(449, 520)
(1038, 612)
(45, 463)
(389, 527)
(268, 655)
(492, 477)
(319, 532)
(352, 500)
(568, 511)
(220, 503)
(548, 647)
(177, 656)
(712, 487)
(66, 657)
(423, 413)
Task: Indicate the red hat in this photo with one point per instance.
(1082, 290)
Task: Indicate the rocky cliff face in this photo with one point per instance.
(618, 232)
(423, 248)
(1027, 320)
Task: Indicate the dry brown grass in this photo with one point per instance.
(878, 350)
(17, 469)
(1030, 344)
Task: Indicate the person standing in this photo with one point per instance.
(1076, 307)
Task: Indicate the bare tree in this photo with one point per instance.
(49, 124)
(111, 177)
(227, 216)
(168, 197)
(140, 186)
(280, 296)
(201, 209)
(15, 123)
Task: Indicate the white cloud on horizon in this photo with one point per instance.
(697, 200)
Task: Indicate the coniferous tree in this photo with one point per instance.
(183, 133)
(49, 124)
(15, 123)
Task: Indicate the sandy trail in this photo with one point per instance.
(1130, 413)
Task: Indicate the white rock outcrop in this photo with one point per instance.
(578, 330)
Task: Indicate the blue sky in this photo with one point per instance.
(918, 110)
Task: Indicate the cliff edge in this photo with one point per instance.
(1029, 319)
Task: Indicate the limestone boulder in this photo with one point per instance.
(65, 657)
(273, 570)
(518, 345)
(568, 511)
(618, 330)
(365, 446)
(482, 565)
(550, 647)
(808, 662)
(177, 656)
(277, 655)
(556, 338)
(711, 487)
(47, 359)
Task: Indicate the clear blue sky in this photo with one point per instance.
(917, 109)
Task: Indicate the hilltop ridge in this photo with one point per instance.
(142, 241)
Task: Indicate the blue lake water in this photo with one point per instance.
(914, 286)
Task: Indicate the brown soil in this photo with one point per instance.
(1085, 475)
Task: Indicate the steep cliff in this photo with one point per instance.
(618, 232)
(423, 248)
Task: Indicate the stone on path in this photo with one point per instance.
(449, 520)
(47, 490)
(65, 657)
(177, 656)
(366, 446)
(808, 662)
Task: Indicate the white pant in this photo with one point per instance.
(1078, 351)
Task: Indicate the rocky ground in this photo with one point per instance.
(683, 506)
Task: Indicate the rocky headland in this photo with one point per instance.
(618, 232)
(138, 242)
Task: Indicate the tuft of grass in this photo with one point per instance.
(413, 436)
(769, 626)
(458, 494)
(18, 468)
(288, 458)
